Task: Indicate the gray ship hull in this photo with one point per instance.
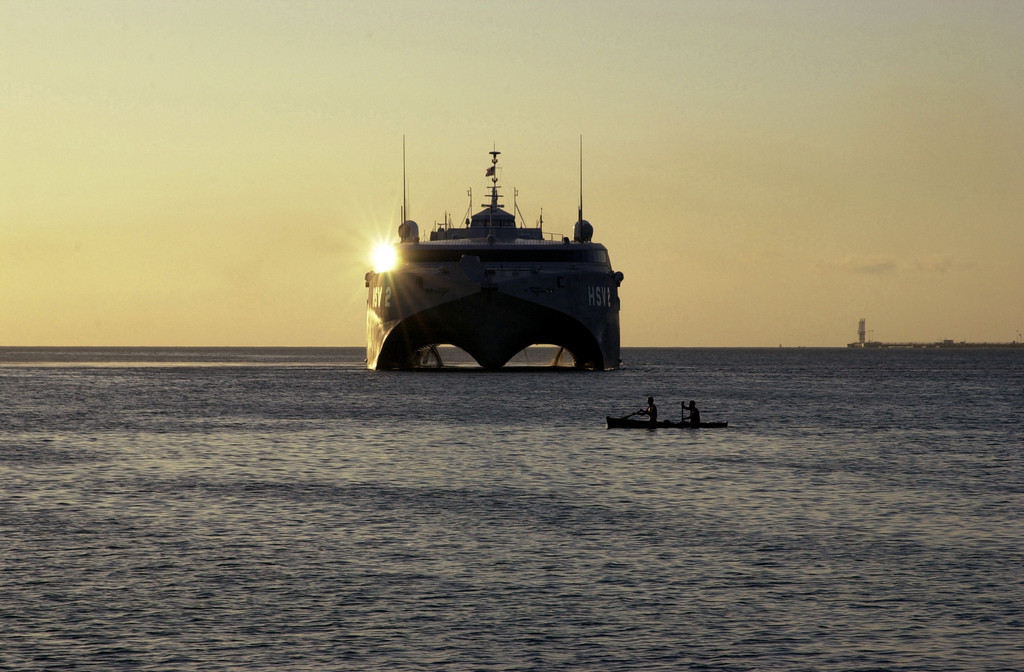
(493, 311)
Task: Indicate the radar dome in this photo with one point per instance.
(409, 232)
(583, 231)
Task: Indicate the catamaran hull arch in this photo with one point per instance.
(492, 328)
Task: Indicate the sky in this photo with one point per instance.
(763, 173)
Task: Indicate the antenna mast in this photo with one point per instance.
(405, 185)
(581, 177)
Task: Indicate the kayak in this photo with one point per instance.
(630, 423)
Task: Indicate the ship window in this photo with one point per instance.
(530, 255)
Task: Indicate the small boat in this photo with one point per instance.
(631, 423)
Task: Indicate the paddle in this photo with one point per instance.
(626, 417)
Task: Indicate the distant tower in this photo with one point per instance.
(861, 331)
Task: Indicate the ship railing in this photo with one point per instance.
(472, 237)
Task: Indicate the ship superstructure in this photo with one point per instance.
(493, 287)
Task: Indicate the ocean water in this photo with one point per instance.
(219, 509)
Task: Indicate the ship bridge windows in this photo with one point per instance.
(520, 256)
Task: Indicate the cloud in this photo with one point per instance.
(935, 264)
(869, 266)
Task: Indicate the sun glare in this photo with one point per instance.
(384, 258)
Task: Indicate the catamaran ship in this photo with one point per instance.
(492, 288)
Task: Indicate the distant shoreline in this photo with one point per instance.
(8, 352)
(964, 345)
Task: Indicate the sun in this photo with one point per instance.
(384, 258)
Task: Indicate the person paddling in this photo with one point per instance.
(694, 415)
(651, 411)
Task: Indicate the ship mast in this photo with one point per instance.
(581, 179)
(492, 172)
(405, 186)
